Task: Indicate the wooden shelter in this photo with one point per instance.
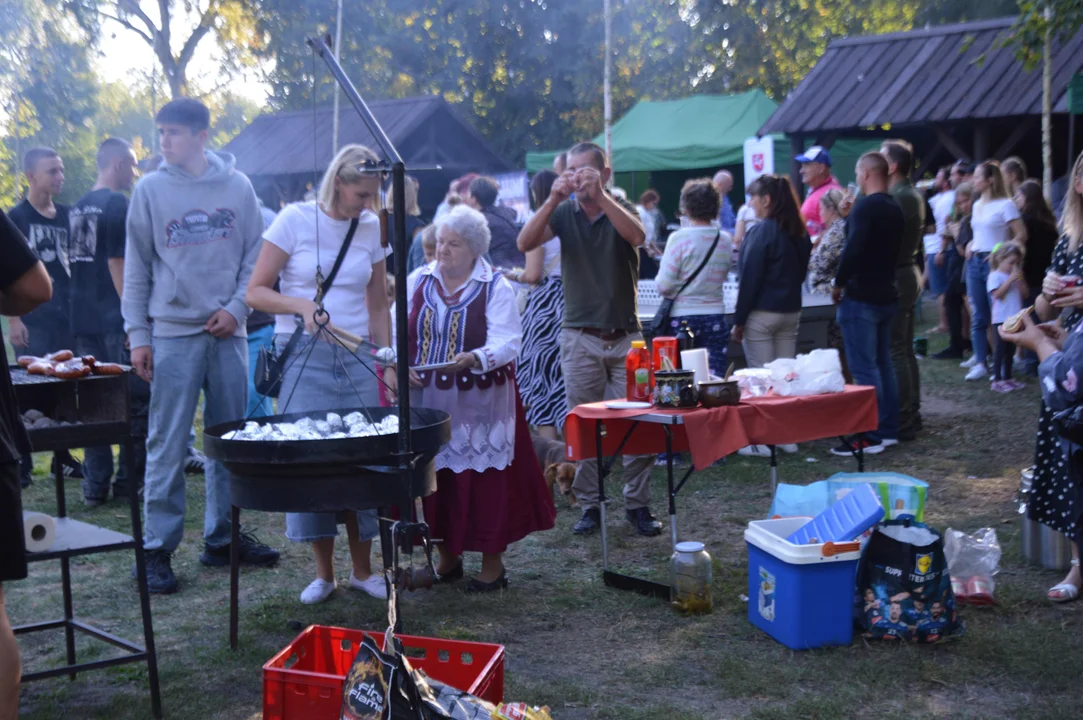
(954, 91)
(284, 154)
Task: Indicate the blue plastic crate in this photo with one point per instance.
(800, 595)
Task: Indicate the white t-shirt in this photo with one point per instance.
(747, 214)
(1012, 302)
(989, 220)
(941, 203)
(551, 257)
(294, 232)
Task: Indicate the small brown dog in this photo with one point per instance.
(557, 472)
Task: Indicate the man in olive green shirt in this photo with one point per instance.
(900, 160)
(600, 237)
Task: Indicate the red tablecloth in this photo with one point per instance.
(717, 432)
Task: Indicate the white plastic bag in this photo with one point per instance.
(973, 560)
(753, 382)
(816, 373)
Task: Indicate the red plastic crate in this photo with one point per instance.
(304, 681)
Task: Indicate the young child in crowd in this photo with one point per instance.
(1007, 288)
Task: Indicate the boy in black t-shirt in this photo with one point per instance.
(24, 285)
(96, 260)
(45, 226)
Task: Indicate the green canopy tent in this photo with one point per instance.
(662, 144)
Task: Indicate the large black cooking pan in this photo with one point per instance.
(328, 475)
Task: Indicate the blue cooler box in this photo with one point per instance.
(801, 595)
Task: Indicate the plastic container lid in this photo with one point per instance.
(689, 547)
(639, 344)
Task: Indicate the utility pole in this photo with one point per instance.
(338, 45)
(607, 90)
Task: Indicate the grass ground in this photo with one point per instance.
(597, 654)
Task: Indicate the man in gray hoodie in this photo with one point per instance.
(193, 234)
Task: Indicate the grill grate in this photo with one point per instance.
(20, 376)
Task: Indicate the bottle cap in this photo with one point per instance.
(689, 547)
(639, 344)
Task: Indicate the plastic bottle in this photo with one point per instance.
(638, 367)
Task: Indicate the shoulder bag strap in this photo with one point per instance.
(296, 337)
(710, 254)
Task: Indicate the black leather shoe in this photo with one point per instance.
(451, 576)
(644, 523)
(476, 586)
(589, 523)
(948, 354)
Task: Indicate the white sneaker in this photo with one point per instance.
(889, 442)
(317, 591)
(791, 449)
(978, 372)
(969, 362)
(373, 585)
(755, 451)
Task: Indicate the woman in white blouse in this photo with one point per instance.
(464, 318)
(994, 220)
(303, 236)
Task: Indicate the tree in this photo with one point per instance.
(527, 73)
(773, 44)
(1040, 24)
(232, 22)
(939, 12)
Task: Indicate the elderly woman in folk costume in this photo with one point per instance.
(463, 319)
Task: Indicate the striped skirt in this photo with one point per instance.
(541, 381)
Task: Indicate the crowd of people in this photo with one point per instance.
(192, 279)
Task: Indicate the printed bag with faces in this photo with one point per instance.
(904, 591)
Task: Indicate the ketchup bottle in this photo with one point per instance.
(637, 365)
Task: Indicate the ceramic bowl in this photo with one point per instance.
(717, 393)
(675, 389)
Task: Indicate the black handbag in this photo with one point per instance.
(660, 323)
(270, 366)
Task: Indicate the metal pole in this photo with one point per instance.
(398, 186)
(1047, 105)
(378, 134)
(608, 89)
(337, 49)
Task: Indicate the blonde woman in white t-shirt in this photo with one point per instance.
(995, 220)
(303, 236)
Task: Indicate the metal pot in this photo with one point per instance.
(1042, 545)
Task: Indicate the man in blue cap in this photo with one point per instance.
(816, 175)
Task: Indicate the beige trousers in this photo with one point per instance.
(770, 336)
(593, 371)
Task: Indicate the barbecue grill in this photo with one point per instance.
(355, 473)
(98, 408)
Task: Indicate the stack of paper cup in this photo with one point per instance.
(696, 360)
(39, 531)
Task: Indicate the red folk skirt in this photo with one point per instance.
(487, 511)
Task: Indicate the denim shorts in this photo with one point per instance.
(319, 378)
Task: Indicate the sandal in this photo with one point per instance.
(1065, 592)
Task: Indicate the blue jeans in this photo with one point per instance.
(98, 461)
(977, 274)
(866, 334)
(258, 406)
(332, 380)
(183, 366)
